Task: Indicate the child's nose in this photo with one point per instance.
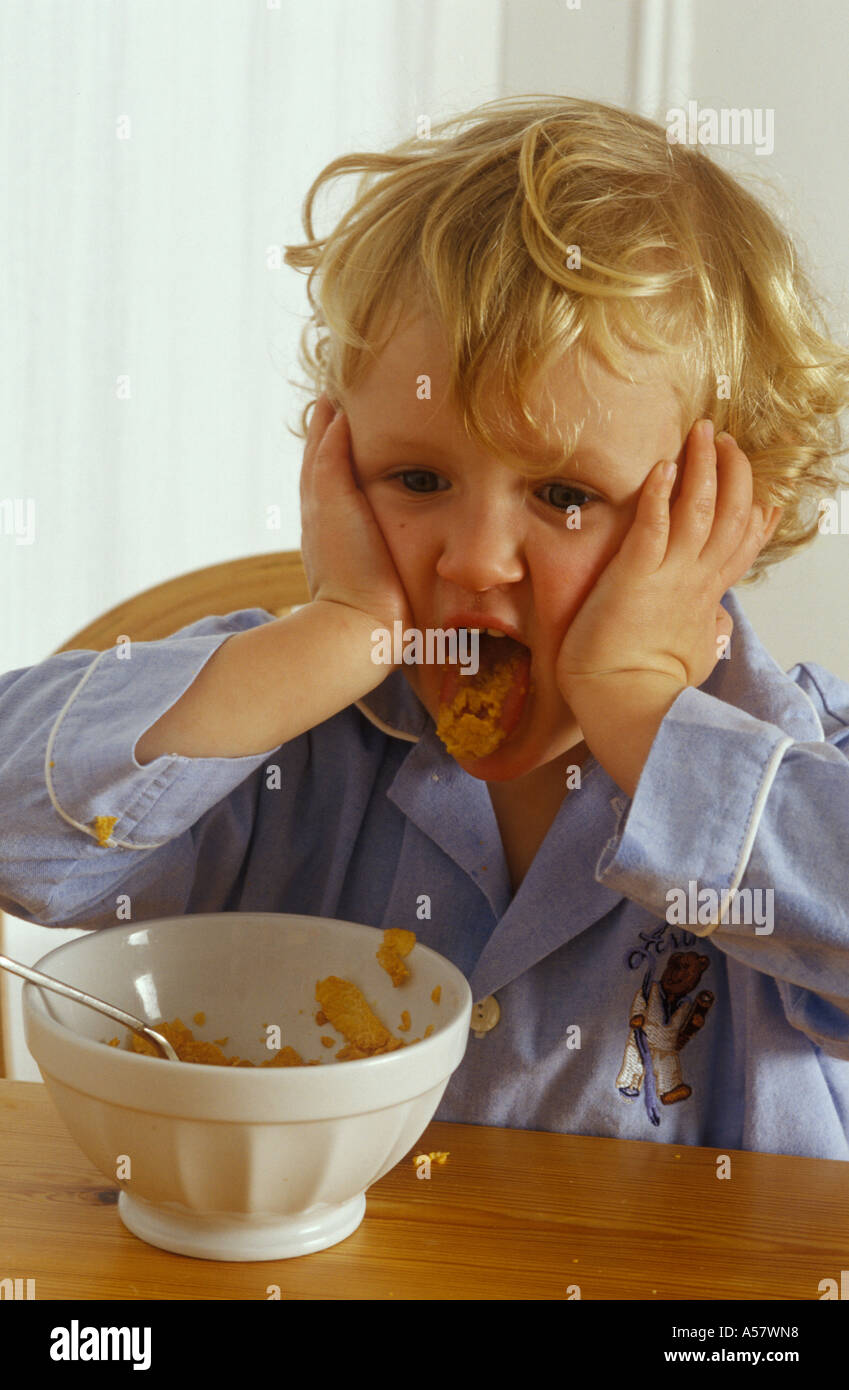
(481, 552)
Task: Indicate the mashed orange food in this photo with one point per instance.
(397, 943)
(469, 725)
(191, 1049)
(347, 1011)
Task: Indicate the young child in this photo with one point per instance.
(636, 846)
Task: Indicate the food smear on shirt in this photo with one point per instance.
(477, 713)
(103, 827)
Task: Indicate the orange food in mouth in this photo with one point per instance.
(477, 713)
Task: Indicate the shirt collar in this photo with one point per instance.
(752, 680)
(394, 707)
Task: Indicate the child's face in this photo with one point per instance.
(466, 532)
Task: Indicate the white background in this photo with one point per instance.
(147, 257)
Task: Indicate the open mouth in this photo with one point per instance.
(477, 713)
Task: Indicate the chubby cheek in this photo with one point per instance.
(397, 532)
(566, 584)
(415, 570)
(414, 553)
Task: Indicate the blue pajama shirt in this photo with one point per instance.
(597, 1012)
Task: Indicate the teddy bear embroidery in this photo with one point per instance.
(664, 1017)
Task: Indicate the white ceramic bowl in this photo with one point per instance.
(237, 1163)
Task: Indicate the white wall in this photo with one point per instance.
(146, 257)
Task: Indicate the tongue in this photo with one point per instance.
(477, 713)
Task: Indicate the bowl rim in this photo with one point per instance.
(33, 999)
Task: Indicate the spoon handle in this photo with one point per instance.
(71, 992)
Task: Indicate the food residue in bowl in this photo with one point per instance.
(342, 1005)
(191, 1049)
(397, 943)
(347, 1010)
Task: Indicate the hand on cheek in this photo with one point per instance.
(655, 607)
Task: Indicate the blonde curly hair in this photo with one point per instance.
(548, 224)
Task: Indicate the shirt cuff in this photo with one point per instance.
(692, 821)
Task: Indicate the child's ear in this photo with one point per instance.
(771, 519)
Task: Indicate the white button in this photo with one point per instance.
(485, 1015)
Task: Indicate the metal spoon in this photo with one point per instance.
(71, 992)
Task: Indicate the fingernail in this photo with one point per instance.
(706, 429)
(668, 471)
(725, 438)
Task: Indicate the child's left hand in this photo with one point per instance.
(655, 607)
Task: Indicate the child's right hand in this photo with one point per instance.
(344, 553)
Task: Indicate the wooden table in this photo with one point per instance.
(512, 1214)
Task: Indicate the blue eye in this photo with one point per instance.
(419, 474)
(424, 480)
(575, 497)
